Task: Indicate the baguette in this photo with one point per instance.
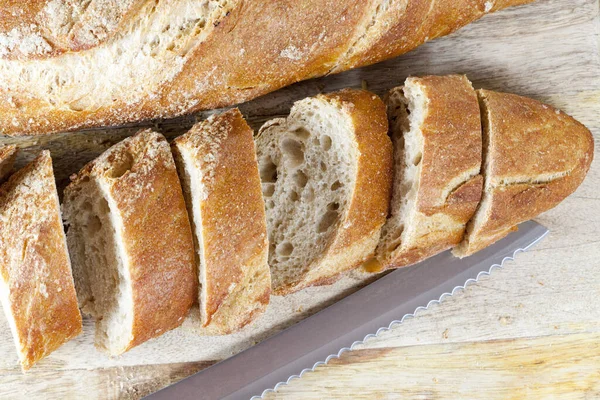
(326, 177)
(8, 154)
(216, 161)
(131, 242)
(64, 66)
(36, 284)
(436, 129)
(534, 157)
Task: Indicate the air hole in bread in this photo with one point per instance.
(327, 221)
(86, 207)
(300, 179)
(326, 142)
(417, 158)
(268, 190)
(302, 133)
(285, 249)
(393, 245)
(336, 185)
(293, 152)
(268, 171)
(323, 167)
(294, 196)
(333, 206)
(94, 225)
(121, 166)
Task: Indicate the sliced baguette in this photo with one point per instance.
(36, 284)
(436, 131)
(7, 160)
(326, 178)
(216, 161)
(131, 242)
(534, 157)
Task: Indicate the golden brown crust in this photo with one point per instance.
(140, 176)
(451, 144)
(450, 185)
(536, 157)
(407, 24)
(372, 190)
(251, 50)
(234, 232)
(39, 294)
(7, 160)
(357, 237)
(251, 62)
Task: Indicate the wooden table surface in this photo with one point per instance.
(531, 330)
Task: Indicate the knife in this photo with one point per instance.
(352, 320)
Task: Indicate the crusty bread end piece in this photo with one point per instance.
(36, 284)
(534, 157)
(216, 161)
(131, 242)
(436, 131)
(326, 176)
(8, 154)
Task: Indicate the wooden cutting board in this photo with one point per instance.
(531, 330)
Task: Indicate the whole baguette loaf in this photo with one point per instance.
(131, 242)
(36, 283)
(69, 64)
(216, 162)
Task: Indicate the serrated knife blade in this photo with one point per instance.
(365, 313)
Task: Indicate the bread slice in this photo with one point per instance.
(7, 160)
(131, 242)
(326, 177)
(534, 156)
(36, 284)
(436, 131)
(216, 161)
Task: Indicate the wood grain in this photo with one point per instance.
(530, 330)
(533, 368)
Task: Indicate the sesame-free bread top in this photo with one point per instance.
(36, 284)
(217, 164)
(534, 157)
(134, 60)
